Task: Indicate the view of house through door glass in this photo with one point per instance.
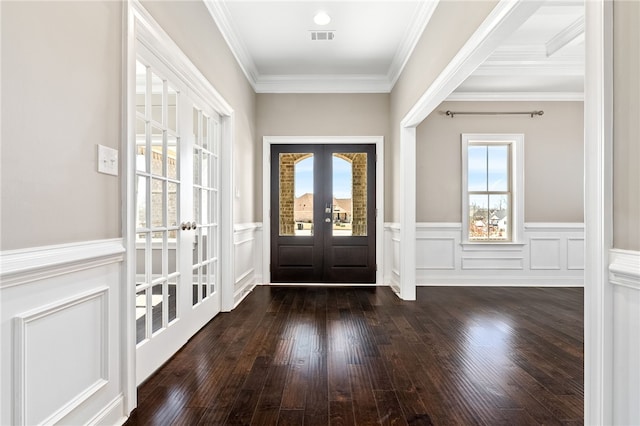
(176, 214)
(323, 229)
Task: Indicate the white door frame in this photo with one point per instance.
(267, 141)
(598, 215)
(139, 26)
(507, 16)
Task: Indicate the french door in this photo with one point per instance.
(177, 238)
(323, 227)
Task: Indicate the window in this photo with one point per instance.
(492, 201)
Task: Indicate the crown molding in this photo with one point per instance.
(410, 40)
(222, 18)
(320, 83)
(517, 96)
(505, 61)
(323, 84)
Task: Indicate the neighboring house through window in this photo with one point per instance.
(492, 199)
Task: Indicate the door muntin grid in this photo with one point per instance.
(206, 170)
(157, 199)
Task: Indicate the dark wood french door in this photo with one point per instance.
(323, 211)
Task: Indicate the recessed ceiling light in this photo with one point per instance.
(321, 18)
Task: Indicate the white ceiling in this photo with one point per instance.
(374, 38)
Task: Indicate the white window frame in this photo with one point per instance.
(516, 143)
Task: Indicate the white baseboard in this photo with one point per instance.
(111, 414)
(550, 282)
(240, 295)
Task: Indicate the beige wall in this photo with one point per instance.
(61, 69)
(453, 22)
(626, 126)
(554, 158)
(318, 115)
(61, 92)
(191, 26)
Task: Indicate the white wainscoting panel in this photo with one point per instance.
(625, 279)
(550, 254)
(391, 251)
(247, 242)
(61, 334)
(66, 342)
(492, 263)
(575, 253)
(442, 249)
(545, 253)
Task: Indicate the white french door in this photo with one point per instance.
(176, 215)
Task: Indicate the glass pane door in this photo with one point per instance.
(349, 194)
(157, 202)
(323, 213)
(205, 262)
(177, 237)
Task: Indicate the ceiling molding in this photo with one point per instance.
(323, 84)
(519, 52)
(572, 34)
(517, 96)
(410, 40)
(531, 68)
(265, 83)
(526, 60)
(223, 20)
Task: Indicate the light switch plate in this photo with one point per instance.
(107, 160)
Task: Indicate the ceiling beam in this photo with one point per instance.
(573, 34)
(517, 96)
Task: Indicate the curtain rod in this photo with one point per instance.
(531, 113)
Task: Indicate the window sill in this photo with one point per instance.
(491, 246)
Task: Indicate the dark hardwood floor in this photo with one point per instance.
(347, 356)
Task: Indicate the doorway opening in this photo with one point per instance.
(322, 198)
(322, 226)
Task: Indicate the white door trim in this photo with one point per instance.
(267, 141)
(139, 26)
(598, 305)
(507, 16)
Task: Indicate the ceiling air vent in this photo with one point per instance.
(322, 35)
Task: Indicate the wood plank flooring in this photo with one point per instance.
(361, 356)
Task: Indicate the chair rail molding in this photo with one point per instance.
(27, 265)
(624, 269)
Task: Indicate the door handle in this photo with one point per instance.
(187, 226)
(328, 220)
